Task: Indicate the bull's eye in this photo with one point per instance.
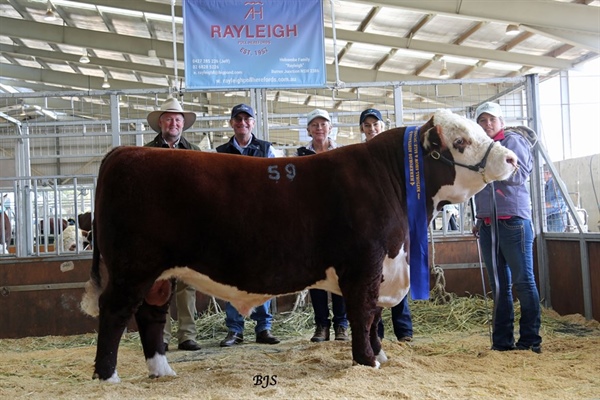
(460, 144)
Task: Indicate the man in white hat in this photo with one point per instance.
(170, 122)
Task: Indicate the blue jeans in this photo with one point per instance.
(401, 320)
(320, 304)
(235, 321)
(556, 222)
(514, 241)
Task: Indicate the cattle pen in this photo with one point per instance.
(49, 169)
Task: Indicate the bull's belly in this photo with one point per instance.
(242, 300)
(393, 289)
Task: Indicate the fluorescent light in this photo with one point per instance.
(512, 30)
(84, 57)
(50, 16)
(444, 71)
(105, 84)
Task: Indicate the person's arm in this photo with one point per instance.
(521, 147)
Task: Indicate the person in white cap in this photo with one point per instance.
(318, 125)
(170, 122)
(510, 227)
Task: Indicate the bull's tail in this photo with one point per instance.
(93, 287)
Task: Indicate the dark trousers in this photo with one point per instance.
(401, 321)
(320, 305)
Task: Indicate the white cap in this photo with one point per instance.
(316, 114)
(490, 108)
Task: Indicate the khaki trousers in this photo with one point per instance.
(185, 301)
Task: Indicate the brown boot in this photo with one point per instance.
(321, 334)
(341, 333)
(266, 337)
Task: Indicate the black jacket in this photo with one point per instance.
(183, 143)
(256, 148)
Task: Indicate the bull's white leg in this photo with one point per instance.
(381, 357)
(159, 366)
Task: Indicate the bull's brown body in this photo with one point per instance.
(263, 227)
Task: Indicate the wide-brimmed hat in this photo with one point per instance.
(489, 108)
(318, 113)
(369, 112)
(170, 105)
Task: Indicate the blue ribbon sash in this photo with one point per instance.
(417, 214)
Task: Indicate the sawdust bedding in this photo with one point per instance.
(447, 364)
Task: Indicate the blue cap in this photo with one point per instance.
(242, 108)
(370, 112)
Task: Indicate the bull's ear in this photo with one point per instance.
(431, 137)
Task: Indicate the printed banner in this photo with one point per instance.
(234, 44)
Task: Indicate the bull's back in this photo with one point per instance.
(207, 209)
(179, 197)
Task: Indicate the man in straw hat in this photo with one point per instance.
(170, 122)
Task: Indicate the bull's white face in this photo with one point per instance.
(468, 144)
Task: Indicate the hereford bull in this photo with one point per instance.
(246, 229)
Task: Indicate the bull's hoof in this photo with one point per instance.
(159, 366)
(376, 366)
(381, 357)
(113, 379)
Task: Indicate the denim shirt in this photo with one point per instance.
(512, 195)
(554, 198)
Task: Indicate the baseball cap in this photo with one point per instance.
(317, 113)
(490, 108)
(370, 112)
(242, 108)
